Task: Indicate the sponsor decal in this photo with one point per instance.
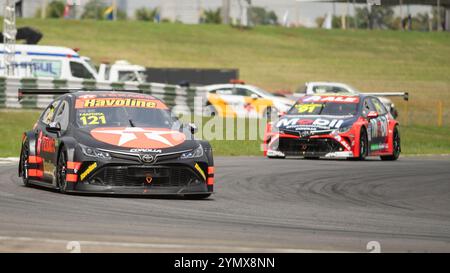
(88, 170)
(146, 151)
(341, 99)
(307, 108)
(382, 146)
(95, 118)
(342, 142)
(249, 107)
(139, 138)
(303, 134)
(118, 102)
(305, 122)
(308, 124)
(378, 127)
(87, 96)
(47, 144)
(197, 167)
(39, 141)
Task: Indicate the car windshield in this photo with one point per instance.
(125, 112)
(323, 89)
(324, 108)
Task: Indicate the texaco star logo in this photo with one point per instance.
(136, 137)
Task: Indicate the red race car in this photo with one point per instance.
(334, 126)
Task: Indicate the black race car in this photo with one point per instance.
(114, 142)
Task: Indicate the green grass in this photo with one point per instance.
(274, 57)
(415, 139)
(425, 140)
(13, 124)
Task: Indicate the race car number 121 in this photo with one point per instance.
(93, 119)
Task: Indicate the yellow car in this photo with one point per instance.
(242, 100)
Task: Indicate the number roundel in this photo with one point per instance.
(92, 119)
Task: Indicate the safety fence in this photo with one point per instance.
(183, 100)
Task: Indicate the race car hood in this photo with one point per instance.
(309, 124)
(138, 139)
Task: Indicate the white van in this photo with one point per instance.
(48, 62)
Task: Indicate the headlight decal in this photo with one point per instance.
(198, 152)
(88, 170)
(199, 169)
(92, 152)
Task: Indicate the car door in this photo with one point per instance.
(380, 127)
(368, 107)
(222, 100)
(46, 142)
(248, 102)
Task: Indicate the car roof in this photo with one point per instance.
(112, 94)
(327, 83)
(42, 50)
(212, 87)
(360, 96)
(118, 93)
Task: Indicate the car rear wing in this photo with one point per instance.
(25, 91)
(405, 95)
(22, 92)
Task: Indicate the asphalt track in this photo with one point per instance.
(261, 205)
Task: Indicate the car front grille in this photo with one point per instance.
(308, 146)
(139, 176)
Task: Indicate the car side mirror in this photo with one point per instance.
(254, 96)
(53, 127)
(193, 128)
(372, 114)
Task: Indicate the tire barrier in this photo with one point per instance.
(182, 100)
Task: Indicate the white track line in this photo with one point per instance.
(180, 247)
(8, 160)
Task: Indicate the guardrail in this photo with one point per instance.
(182, 100)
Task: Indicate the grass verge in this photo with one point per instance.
(415, 139)
(277, 58)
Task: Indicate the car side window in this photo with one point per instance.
(367, 107)
(49, 112)
(242, 92)
(62, 115)
(78, 70)
(379, 107)
(224, 91)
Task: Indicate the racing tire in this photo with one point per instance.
(61, 171)
(363, 145)
(24, 165)
(197, 196)
(397, 147)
